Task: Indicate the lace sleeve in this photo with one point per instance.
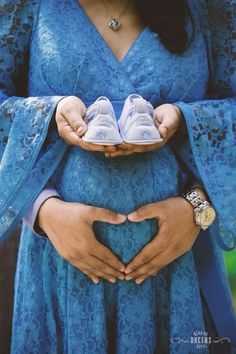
(210, 149)
(26, 164)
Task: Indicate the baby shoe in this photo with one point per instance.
(102, 125)
(136, 122)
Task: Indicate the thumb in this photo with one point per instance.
(148, 211)
(169, 125)
(107, 215)
(76, 121)
(166, 126)
(164, 130)
(167, 119)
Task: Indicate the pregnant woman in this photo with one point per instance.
(115, 271)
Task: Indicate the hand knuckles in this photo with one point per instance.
(75, 123)
(145, 258)
(152, 268)
(101, 267)
(149, 269)
(99, 273)
(106, 258)
(143, 271)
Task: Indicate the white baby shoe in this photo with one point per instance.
(136, 122)
(102, 125)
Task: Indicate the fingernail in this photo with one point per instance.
(112, 280)
(122, 217)
(127, 271)
(139, 281)
(80, 129)
(96, 281)
(121, 277)
(133, 215)
(122, 269)
(129, 277)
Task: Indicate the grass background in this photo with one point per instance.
(230, 260)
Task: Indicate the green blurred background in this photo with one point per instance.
(230, 260)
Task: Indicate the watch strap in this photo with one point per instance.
(194, 198)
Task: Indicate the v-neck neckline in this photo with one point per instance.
(102, 39)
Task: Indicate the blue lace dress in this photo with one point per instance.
(57, 308)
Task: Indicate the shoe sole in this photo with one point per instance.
(100, 142)
(142, 142)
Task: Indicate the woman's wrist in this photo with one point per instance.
(182, 129)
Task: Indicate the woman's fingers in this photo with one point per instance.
(71, 125)
(90, 147)
(75, 120)
(128, 149)
(72, 110)
(167, 118)
(67, 133)
(121, 150)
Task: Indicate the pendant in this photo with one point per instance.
(114, 24)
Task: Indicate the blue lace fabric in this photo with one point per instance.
(56, 51)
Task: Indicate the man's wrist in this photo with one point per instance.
(44, 211)
(202, 193)
(204, 212)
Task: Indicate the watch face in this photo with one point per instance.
(207, 216)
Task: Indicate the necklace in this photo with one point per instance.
(115, 23)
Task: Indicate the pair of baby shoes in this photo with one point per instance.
(135, 125)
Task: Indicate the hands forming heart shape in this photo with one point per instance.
(177, 231)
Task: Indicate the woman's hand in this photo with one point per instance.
(177, 233)
(168, 118)
(69, 228)
(71, 126)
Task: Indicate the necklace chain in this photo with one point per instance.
(115, 23)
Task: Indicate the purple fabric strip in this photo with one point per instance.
(32, 213)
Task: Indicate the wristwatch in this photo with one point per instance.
(204, 212)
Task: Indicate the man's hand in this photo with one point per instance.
(69, 227)
(177, 233)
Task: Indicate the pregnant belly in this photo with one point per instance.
(122, 184)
